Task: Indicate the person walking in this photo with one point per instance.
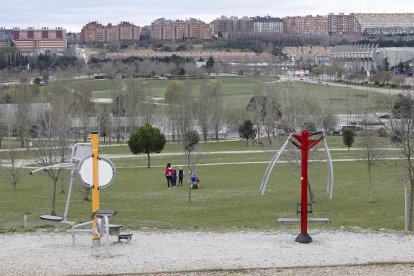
(180, 176)
(168, 174)
(174, 178)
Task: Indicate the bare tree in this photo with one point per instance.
(172, 109)
(23, 101)
(131, 103)
(191, 153)
(146, 105)
(371, 153)
(216, 107)
(104, 119)
(85, 107)
(400, 126)
(298, 106)
(14, 169)
(205, 108)
(52, 144)
(180, 108)
(117, 107)
(257, 107)
(235, 116)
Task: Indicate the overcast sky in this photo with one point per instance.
(72, 15)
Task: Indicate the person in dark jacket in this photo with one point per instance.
(174, 178)
(168, 175)
(180, 176)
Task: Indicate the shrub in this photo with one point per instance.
(382, 132)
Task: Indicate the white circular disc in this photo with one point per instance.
(106, 172)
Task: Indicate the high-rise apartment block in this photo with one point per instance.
(123, 32)
(306, 24)
(343, 23)
(267, 24)
(230, 25)
(38, 40)
(193, 29)
(386, 23)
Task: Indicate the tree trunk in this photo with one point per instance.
(85, 134)
(22, 141)
(53, 212)
(62, 190)
(409, 205)
(86, 193)
(205, 136)
(370, 184)
(149, 160)
(189, 187)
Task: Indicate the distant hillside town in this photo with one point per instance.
(322, 30)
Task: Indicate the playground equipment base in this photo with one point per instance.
(303, 238)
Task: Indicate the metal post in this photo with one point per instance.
(304, 236)
(95, 188)
(25, 224)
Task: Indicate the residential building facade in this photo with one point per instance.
(123, 32)
(386, 23)
(223, 25)
(38, 40)
(267, 24)
(6, 37)
(343, 23)
(192, 29)
(306, 24)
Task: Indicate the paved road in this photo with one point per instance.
(356, 87)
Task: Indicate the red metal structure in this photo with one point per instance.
(305, 144)
(303, 141)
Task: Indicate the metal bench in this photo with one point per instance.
(115, 229)
(125, 236)
(283, 220)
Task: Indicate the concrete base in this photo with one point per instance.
(303, 238)
(96, 243)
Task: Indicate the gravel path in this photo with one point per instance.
(209, 253)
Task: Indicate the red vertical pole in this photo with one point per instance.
(304, 237)
(304, 185)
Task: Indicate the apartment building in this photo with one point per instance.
(306, 24)
(231, 25)
(39, 40)
(386, 23)
(6, 37)
(343, 23)
(226, 25)
(267, 24)
(193, 29)
(223, 25)
(123, 32)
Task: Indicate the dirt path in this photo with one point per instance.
(210, 253)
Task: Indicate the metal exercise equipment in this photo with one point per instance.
(97, 173)
(79, 152)
(304, 144)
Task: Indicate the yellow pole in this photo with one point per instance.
(95, 188)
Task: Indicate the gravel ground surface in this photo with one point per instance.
(210, 253)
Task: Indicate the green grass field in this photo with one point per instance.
(237, 92)
(229, 196)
